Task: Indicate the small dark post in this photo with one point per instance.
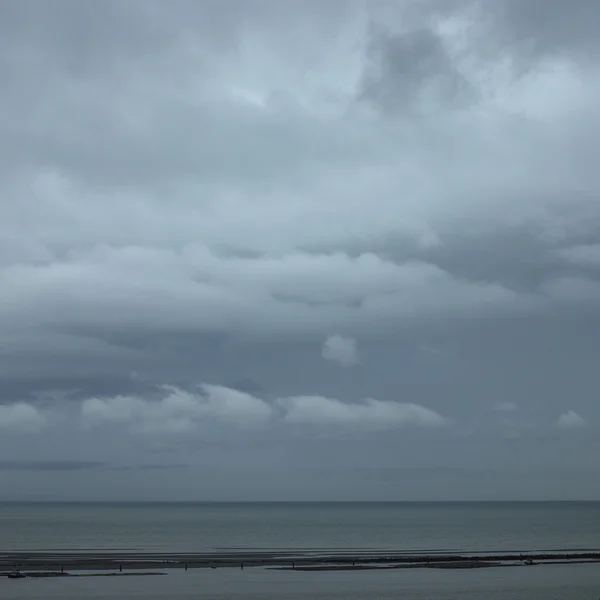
(186, 566)
(353, 564)
(242, 566)
(62, 568)
(120, 568)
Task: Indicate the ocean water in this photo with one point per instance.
(558, 582)
(398, 527)
(461, 527)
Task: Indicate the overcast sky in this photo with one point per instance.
(300, 249)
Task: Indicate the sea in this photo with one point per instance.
(465, 527)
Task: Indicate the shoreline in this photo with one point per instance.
(123, 562)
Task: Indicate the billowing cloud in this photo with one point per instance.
(377, 414)
(340, 349)
(570, 420)
(21, 417)
(178, 411)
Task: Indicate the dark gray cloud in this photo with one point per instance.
(409, 71)
(207, 211)
(547, 29)
(525, 31)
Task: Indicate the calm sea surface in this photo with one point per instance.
(400, 527)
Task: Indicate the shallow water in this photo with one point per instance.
(559, 582)
(460, 527)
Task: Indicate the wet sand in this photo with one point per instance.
(125, 562)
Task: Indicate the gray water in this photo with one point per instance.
(412, 527)
(460, 527)
(560, 582)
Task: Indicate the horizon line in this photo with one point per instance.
(147, 501)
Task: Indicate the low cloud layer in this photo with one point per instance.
(377, 414)
(257, 194)
(174, 411)
(178, 410)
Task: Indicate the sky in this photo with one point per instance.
(300, 250)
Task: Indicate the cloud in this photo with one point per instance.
(340, 349)
(583, 256)
(361, 209)
(149, 467)
(565, 33)
(79, 465)
(50, 465)
(565, 291)
(178, 411)
(158, 289)
(370, 414)
(21, 417)
(570, 420)
(204, 193)
(411, 70)
(204, 410)
(182, 412)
